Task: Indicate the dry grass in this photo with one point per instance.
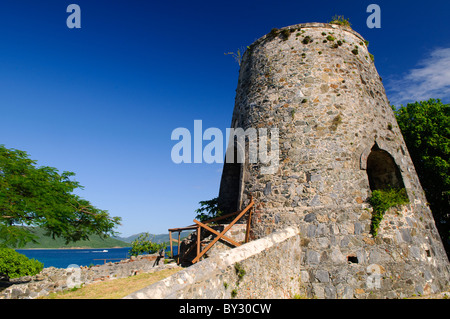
(442, 295)
(116, 288)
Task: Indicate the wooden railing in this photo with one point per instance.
(219, 235)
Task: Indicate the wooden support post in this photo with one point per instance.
(178, 247)
(199, 230)
(249, 221)
(171, 247)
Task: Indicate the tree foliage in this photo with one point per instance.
(42, 196)
(15, 265)
(143, 245)
(208, 209)
(425, 127)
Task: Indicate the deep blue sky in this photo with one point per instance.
(102, 100)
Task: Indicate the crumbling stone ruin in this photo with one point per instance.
(338, 142)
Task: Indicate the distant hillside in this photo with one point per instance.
(161, 238)
(94, 242)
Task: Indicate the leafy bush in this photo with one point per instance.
(383, 199)
(285, 34)
(307, 40)
(208, 209)
(143, 245)
(14, 265)
(240, 271)
(340, 20)
(274, 32)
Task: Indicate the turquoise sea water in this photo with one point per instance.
(62, 258)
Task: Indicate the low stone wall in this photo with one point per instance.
(58, 279)
(254, 270)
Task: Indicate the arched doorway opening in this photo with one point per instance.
(382, 170)
(230, 185)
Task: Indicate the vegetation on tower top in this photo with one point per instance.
(340, 20)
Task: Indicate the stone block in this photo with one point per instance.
(322, 276)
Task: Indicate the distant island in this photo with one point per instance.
(94, 241)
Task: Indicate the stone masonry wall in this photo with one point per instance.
(317, 84)
(271, 266)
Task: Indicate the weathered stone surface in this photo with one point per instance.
(310, 217)
(322, 276)
(268, 274)
(338, 140)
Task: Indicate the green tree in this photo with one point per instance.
(425, 127)
(14, 265)
(43, 197)
(143, 245)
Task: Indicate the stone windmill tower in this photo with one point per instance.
(338, 141)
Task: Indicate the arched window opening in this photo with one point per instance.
(382, 171)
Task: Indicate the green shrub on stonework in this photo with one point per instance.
(340, 20)
(383, 199)
(307, 40)
(15, 265)
(240, 271)
(285, 34)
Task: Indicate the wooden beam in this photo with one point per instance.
(178, 247)
(199, 230)
(249, 221)
(183, 228)
(170, 238)
(221, 217)
(223, 232)
(231, 241)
